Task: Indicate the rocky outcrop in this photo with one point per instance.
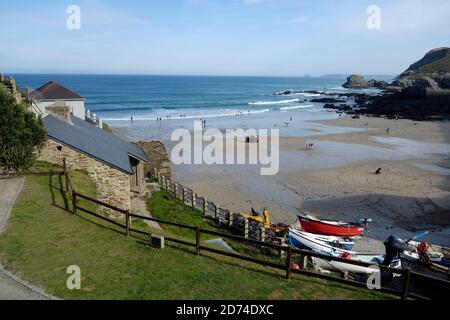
(427, 77)
(327, 100)
(158, 158)
(358, 82)
(435, 62)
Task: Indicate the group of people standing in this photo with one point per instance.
(309, 146)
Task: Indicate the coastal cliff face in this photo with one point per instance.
(428, 76)
(422, 92)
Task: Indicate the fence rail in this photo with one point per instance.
(289, 252)
(235, 222)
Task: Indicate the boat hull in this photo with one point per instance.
(303, 241)
(327, 228)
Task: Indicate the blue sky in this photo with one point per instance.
(220, 37)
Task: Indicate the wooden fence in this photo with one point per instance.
(235, 222)
(291, 255)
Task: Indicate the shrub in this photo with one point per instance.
(22, 134)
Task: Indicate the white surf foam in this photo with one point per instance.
(297, 107)
(264, 103)
(220, 113)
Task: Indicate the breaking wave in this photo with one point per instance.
(267, 103)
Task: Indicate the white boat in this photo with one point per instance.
(309, 241)
(338, 242)
(374, 260)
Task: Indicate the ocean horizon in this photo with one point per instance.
(117, 98)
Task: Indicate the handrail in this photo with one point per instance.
(104, 204)
(176, 224)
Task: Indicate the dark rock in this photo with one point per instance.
(327, 100)
(358, 82)
(407, 104)
(428, 76)
(283, 93)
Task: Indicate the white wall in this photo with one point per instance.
(76, 106)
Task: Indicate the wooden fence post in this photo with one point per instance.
(74, 202)
(288, 262)
(246, 228)
(216, 208)
(406, 281)
(174, 187)
(127, 217)
(262, 234)
(205, 206)
(184, 195)
(230, 220)
(197, 241)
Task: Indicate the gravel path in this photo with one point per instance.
(11, 286)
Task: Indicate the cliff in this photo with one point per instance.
(428, 76)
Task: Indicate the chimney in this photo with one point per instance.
(60, 110)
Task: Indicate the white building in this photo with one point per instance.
(53, 94)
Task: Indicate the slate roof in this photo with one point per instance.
(93, 141)
(54, 91)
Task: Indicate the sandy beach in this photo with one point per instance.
(338, 180)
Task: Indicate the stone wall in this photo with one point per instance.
(61, 111)
(113, 186)
(9, 85)
(158, 158)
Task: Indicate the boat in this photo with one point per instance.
(338, 242)
(316, 243)
(421, 257)
(373, 259)
(308, 241)
(331, 228)
(425, 259)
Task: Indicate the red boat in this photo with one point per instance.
(330, 228)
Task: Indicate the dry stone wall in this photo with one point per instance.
(158, 158)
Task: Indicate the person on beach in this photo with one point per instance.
(387, 131)
(131, 119)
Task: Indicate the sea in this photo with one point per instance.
(117, 98)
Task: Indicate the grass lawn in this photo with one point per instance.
(43, 238)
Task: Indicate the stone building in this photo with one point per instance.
(53, 94)
(116, 166)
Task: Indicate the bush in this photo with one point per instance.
(21, 135)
